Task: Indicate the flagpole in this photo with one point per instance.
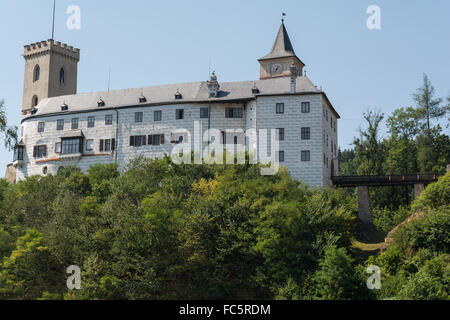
(53, 26)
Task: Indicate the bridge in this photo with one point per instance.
(364, 182)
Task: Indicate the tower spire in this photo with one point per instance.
(282, 46)
(277, 63)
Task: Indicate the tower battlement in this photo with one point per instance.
(43, 47)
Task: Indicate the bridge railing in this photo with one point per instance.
(406, 179)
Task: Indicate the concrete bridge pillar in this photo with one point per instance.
(418, 188)
(364, 211)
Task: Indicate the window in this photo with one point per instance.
(91, 122)
(331, 146)
(138, 141)
(335, 150)
(327, 140)
(280, 108)
(61, 76)
(60, 124)
(156, 139)
(306, 155)
(19, 153)
(157, 116)
(70, 146)
(234, 113)
(306, 133)
(280, 134)
(108, 119)
(204, 113)
(45, 170)
(324, 159)
(75, 123)
(138, 116)
(40, 151)
(107, 145)
(58, 147)
(34, 101)
(142, 99)
(335, 125)
(178, 95)
(100, 103)
(326, 114)
(331, 122)
(89, 145)
(179, 114)
(280, 156)
(64, 107)
(41, 126)
(37, 73)
(306, 108)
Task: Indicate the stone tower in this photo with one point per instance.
(50, 71)
(282, 59)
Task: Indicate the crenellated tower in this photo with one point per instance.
(50, 71)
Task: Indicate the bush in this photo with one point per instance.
(386, 219)
(432, 231)
(435, 195)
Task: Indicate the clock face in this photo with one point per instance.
(276, 68)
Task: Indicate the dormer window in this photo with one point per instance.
(64, 107)
(142, 99)
(178, 95)
(100, 103)
(255, 89)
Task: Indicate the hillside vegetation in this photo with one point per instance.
(161, 231)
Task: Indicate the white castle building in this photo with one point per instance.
(61, 128)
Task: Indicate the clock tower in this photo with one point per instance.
(282, 59)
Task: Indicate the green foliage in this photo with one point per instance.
(9, 133)
(25, 273)
(431, 231)
(337, 279)
(434, 196)
(431, 282)
(387, 219)
(161, 231)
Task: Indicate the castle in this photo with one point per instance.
(61, 128)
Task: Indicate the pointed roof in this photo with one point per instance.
(282, 46)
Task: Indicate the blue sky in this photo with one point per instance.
(159, 42)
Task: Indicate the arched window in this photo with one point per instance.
(61, 76)
(34, 101)
(37, 73)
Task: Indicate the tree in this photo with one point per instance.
(10, 133)
(428, 107)
(337, 279)
(369, 149)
